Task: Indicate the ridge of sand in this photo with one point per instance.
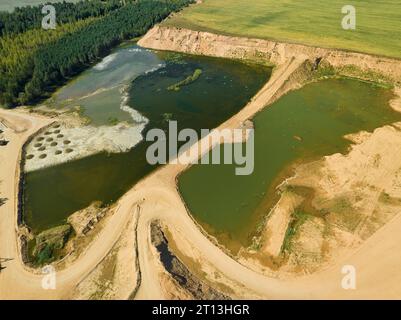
(27, 284)
(158, 198)
(210, 44)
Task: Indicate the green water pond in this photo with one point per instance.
(224, 87)
(304, 125)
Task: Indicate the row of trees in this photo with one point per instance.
(27, 18)
(17, 55)
(53, 62)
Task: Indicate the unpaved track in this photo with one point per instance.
(158, 198)
(17, 281)
(19, 128)
(377, 261)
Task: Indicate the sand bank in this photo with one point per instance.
(157, 198)
(60, 144)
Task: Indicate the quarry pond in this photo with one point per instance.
(130, 88)
(302, 126)
(143, 89)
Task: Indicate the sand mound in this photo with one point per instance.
(65, 144)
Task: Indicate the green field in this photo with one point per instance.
(378, 23)
(9, 5)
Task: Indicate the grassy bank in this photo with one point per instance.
(308, 22)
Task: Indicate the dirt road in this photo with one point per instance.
(376, 260)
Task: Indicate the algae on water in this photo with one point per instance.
(188, 80)
(50, 241)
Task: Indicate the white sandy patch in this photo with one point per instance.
(135, 115)
(137, 50)
(63, 143)
(105, 62)
(83, 142)
(80, 142)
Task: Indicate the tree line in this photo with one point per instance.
(55, 61)
(27, 18)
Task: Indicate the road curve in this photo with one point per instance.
(378, 274)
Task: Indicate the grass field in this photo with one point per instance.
(9, 5)
(378, 23)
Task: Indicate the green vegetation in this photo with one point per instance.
(370, 76)
(27, 18)
(42, 60)
(173, 57)
(167, 117)
(229, 84)
(309, 22)
(113, 121)
(298, 218)
(300, 127)
(188, 80)
(49, 243)
(17, 59)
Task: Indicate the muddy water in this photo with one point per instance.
(52, 194)
(304, 125)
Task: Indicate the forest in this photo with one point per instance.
(26, 18)
(34, 62)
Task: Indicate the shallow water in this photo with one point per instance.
(305, 124)
(52, 194)
(100, 91)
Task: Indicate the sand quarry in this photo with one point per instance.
(122, 261)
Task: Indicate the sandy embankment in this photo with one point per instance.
(157, 197)
(396, 102)
(374, 258)
(356, 193)
(379, 172)
(160, 200)
(61, 143)
(72, 138)
(209, 44)
(19, 127)
(376, 264)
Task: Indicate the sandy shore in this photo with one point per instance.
(29, 283)
(19, 128)
(157, 197)
(375, 262)
(217, 45)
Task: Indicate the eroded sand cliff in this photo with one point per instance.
(209, 44)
